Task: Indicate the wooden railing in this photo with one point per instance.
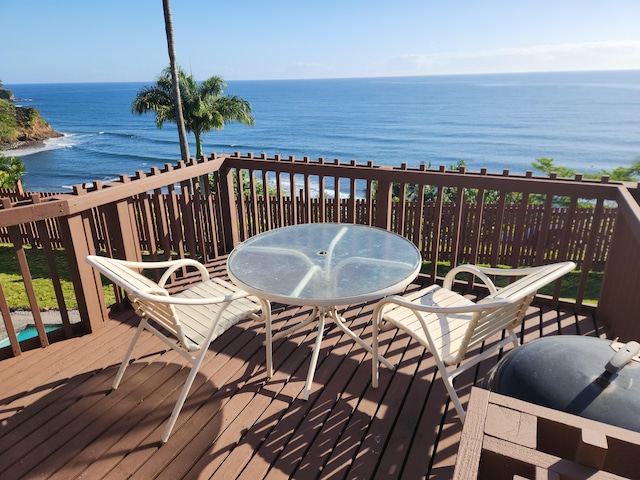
(496, 219)
(155, 213)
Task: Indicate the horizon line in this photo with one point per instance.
(4, 85)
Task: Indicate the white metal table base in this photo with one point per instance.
(321, 313)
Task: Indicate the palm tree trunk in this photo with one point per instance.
(198, 144)
(182, 132)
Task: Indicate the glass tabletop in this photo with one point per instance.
(324, 264)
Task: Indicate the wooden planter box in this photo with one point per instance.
(506, 438)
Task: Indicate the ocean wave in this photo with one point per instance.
(118, 134)
(114, 155)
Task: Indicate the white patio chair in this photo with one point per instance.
(190, 320)
(449, 325)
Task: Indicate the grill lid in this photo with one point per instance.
(586, 376)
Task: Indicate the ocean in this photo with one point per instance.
(583, 120)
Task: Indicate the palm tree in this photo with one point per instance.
(204, 106)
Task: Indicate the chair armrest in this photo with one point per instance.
(475, 307)
(479, 272)
(556, 270)
(183, 262)
(513, 271)
(170, 265)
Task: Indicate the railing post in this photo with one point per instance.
(123, 231)
(619, 302)
(230, 234)
(384, 199)
(87, 284)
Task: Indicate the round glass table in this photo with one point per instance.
(322, 265)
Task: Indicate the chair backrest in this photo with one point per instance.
(134, 284)
(519, 294)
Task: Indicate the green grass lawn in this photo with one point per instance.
(16, 295)
(14, 288)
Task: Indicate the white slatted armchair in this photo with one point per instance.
(189, 321)
(449, 324)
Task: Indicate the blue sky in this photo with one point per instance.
(116, 40)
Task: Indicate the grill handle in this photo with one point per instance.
(617, 362)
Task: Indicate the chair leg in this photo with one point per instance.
(127, 356)
(183, 394)
(375, 363)
(448, 383)
(266, 314)
(514, 337)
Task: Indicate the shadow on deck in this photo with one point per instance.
(58, 418)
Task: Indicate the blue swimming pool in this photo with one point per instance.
(29, 332)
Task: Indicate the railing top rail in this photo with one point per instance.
(505, 181)
(98, 193)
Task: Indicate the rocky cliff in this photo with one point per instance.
(21, 127)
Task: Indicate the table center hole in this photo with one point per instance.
(322, 252)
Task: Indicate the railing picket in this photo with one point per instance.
(267, 215)
(18, 247)
(322, 197)
(148, 225)
(477, 222)
(305, 198)
(567, 226)
(293, 189)
(8, 324)
(518, 231)
(202, 222)
(436, 234)
(589, 254)
(187, 216)
(254, 212)
(53, 271)
(279, 201)
(337, 199)
(456, 227)
(351, 201)
(498, 229)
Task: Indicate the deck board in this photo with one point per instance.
(60, 420)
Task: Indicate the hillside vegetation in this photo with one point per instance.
(21, 126)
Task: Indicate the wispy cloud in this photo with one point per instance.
(569, 56)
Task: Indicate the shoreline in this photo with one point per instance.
(22, 145)
(28, 147)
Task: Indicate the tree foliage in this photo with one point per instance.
(204, 105)
(8, 122)
(11, 170)
(621, 174)
(545, 165)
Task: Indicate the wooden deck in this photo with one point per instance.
(59, 420)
